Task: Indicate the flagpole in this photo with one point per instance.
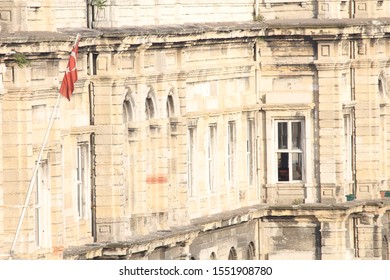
(32, 181)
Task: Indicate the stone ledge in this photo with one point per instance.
(323, 23)
(167, 238)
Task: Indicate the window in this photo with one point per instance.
(213, 256)
(83, 180)
(231, 155)
(92, 63)
(232, 254)
(149, 108)
(380, 87)
(190, 159)
(348, 150)
(170, 107)
(127, 111)
(42, 206)
(250, 251)
(212, 156)
(250, 159)
(289, 150)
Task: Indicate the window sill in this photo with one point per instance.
(289, 184)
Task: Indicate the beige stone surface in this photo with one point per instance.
(171, 138)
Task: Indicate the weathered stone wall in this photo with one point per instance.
(290, 238)
(2, 222)
(221, 93)
(339, 92)
(275, 9)
(352, 230)
(322, 9)
(31, 91)
(51, 15)
(385, 236)
(287, 80)
(151, 12)
(125, 131)
(218, 243)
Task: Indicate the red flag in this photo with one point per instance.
(70, 76)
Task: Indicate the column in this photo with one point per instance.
(330, 124)
(333, 238)
(367, 120)
(328, 9)
(369, 232)
(110, 192)
(3, 250)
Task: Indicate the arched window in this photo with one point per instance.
(382, 89)
(232, 254)
(150, 105)
(170, 107)
(213, 256)
(250, 251)
(128, 108)
(127, 111)
(149, 108)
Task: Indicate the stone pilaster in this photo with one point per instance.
(328, 9)
(367, 125)
(369, 232)
(3, 252)
(18, 164)
(110, 192)
(333, 241)
(330, 119)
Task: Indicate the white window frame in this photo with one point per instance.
(212, 156)
(191, 152)
(348, 151)
(290, 150)
(42, 206)
(231, 153)
(250, 150)
(83, 186)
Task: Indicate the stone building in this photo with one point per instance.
(197, 129)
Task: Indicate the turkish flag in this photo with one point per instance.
(70, 76)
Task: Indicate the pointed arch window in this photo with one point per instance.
(232, 254)
(213, 256)
(127, 111)
(382, 88)
(149, 108)
(251, 251)
(170, 107)
(128, 108)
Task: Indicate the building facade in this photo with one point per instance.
(197, 130)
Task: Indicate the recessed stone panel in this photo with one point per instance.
(5, 15)
(38, 71)
(327, 192)
(362, 6)
(325, 7)
(8, 76)
(102, 63)
(127, 62)
(39, 113)
(325, 50)
(105, 229)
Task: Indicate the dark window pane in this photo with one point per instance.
(282, 135)
(283, 171)
(296, 135)
(296, 166)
